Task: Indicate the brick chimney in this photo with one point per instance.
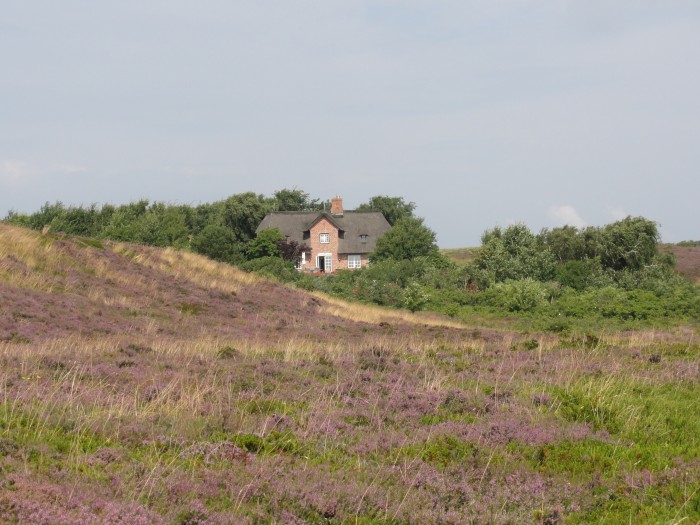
(337, 206)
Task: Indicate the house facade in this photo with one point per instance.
(335, 240)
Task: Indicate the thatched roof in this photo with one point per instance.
(295, 226)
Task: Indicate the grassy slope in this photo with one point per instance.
(140, 385)
(460, 256)
(687, 260)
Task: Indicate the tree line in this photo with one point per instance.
(221, 230)
(613, 271)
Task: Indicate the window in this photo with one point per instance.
(325, 238)
(354, 261)
(301, 261)
(363, 237)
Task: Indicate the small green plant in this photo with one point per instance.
(414, 298)
(228, 352)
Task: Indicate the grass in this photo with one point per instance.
(366, 313)
(395, 420)
(460, 256)
(148, 386)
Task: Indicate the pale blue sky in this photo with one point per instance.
(482, 112)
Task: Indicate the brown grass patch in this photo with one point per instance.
(365, 313)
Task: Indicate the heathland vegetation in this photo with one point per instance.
(557, 379)
(615, 274)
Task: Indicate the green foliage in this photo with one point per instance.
(630, 243)
(565, 243)
(393, 208)
(524, 295)
(275, 442)
(218, 243)
(641, 305)
(243, 213)
(46, 214)
(565, 275)
(579, 274)
(294, 200)
(512, 254)
(442, 450)
(18, 219)
(408, 239)
(414, 298)
(265, 244)
(274, 267)
(585, 406)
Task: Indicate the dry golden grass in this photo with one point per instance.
(33, 250)
(365, 313)
(195, 268)
(43, 259)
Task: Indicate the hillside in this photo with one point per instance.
(687, 260)
(460, 256)
(56, 285)
(149, 386)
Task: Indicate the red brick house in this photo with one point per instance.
(338, 239)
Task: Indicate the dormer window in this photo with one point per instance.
(324, 238)
(363, 237)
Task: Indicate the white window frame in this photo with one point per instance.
(354, 261)
(301, 261)
(328, 266)
(363, 237)
(324, 238)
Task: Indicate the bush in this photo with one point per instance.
(524, 295)
(218, 243)
(578, 274)
(414, 298)
(274, 267)
(265, 244)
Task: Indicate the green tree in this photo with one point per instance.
(265, 244)
(565, 243)
(294, 200)
(513, 253)
(218, 243)
(125, 223)
(579, 274)
(408, 239)
(46, 214)
(242, 213)
(163, 225)
(393, 208)
(631, 243)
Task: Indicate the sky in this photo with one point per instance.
(482, 112)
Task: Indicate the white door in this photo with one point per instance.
(324, 262)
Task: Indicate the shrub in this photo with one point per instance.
(414, 298)
(524, 295)
(274, 267)
(578, 274)
(218, 243)
(265, 244)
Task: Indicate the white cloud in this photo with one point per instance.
(14, 172)
(566, 215)
(617, 213)
(69, 169)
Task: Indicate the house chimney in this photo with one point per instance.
(337, 206)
